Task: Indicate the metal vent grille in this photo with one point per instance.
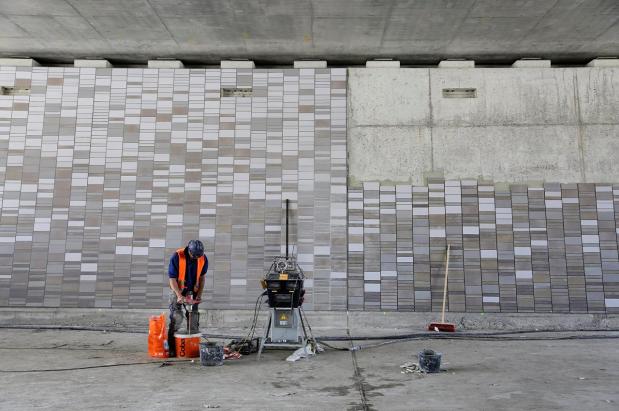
(459, 93)
(12, 91)
(237, 92)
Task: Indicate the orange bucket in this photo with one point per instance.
(157, 336)
(187, 345)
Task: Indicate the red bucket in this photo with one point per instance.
(187, 345)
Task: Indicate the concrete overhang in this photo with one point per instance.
(279, 31)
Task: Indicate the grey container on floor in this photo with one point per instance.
(211, 353)
(430, 361)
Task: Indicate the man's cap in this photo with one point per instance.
(196, 248)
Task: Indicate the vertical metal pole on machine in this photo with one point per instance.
(287, 202)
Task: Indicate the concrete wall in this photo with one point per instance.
(525, 125)
(520, 181)
(105, 172)
(278, 31)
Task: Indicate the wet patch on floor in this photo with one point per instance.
(342, 390)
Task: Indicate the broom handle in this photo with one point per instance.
(445, 286)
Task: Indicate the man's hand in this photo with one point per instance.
(180, 299)
(197, 295)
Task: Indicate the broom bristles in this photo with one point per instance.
(443, 327)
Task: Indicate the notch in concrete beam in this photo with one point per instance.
(457, 63)
(18, 62)
(531, 63)
(237, 64)
(604, 62)
(91, 63)
(310, 64)
(382, 63)
(165, 64)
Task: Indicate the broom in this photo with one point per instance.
(443, 326)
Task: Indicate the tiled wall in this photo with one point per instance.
(104, 173)
(513, 248)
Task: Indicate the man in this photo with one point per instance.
(186, 274)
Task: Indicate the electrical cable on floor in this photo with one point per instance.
(516, 335)
(304, 321)
(252, 330)
(88, 367)
(74, 328)
(333, 347)
(322, 341)
(427, 334)
(470, 338)
(68, 348)
(352, 348)
(433, 334)
(436, 335)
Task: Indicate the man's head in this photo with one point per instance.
(195, 248)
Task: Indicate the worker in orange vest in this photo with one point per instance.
(186, 273)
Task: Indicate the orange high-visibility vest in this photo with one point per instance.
(182, 269)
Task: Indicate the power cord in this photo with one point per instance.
(248, 338)
(162, 364)
(467, 338)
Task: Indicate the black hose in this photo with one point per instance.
(73, 328)
(470, 338)
(456, 335)
(386, 339)
(88, 367)
(439, 335)
(427, 335)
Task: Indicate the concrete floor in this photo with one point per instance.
(493, 375)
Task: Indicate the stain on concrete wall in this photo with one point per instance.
(524, 124)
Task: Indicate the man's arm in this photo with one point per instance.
(177, 291)
(202, 280)
(173, 275)
(200, 288)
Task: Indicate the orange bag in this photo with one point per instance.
(157, 337)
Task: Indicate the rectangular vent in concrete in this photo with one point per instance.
(237, 92)
(13, 91)
(459, 93)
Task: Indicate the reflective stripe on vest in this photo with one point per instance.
(182, 268)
